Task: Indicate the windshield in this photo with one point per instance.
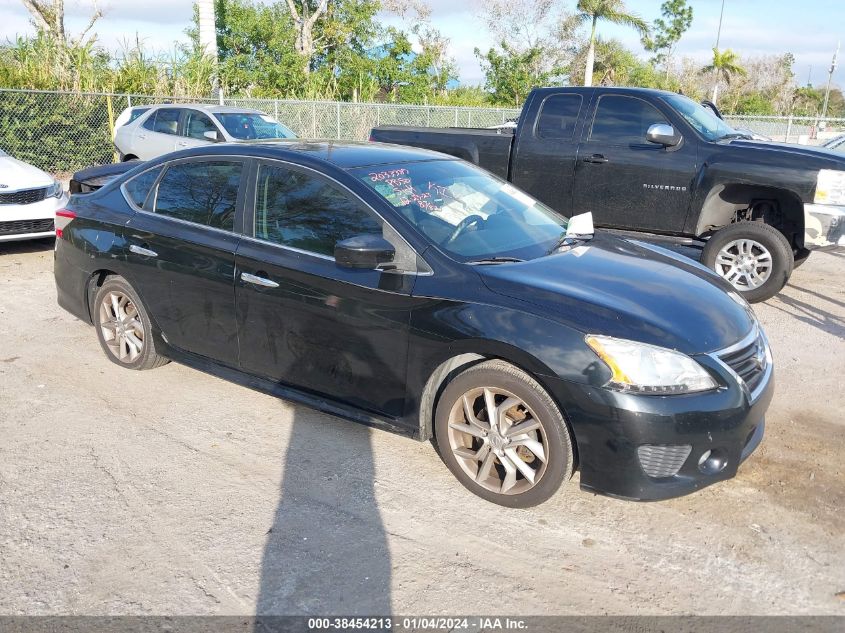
(467, 212)
(703, 120)
(252, 125)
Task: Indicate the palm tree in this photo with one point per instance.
(612, 11)
(725, 66)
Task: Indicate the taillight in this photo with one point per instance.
(63, 218)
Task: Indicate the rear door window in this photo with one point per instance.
(203, 192)
(197, 124)
(558, 117)
(163, 121)
(621, 120)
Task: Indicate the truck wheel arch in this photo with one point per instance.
(726, 203)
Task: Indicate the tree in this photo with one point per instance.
(528, 25)
(510, 75)
(49, 17)
(676, 20)
(256, 50)
(304, 17)
(725, 66)
(613, 11)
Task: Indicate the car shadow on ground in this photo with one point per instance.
(811, 315)
(26, 246)
(327, 551)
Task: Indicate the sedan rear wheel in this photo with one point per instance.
(502, 435)
(123, 326)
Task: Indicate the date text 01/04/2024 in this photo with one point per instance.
(417, 623)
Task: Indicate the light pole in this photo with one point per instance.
(716, 49)
(829, 79)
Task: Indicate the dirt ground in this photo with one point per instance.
(175, 492)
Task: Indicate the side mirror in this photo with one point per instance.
(581, 224)
(211, 135)
(364, 251)
(662, 134)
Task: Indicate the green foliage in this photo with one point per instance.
(37, 128)
(676, 20)
(725, 64)
(510, 75)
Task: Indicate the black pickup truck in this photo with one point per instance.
(656, 162)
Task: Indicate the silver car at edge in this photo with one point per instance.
(146, 132)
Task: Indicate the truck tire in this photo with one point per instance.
(755, 258)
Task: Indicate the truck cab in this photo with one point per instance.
(657, 162)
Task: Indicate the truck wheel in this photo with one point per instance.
(753, 257)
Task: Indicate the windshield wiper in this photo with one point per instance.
(495, 260)
(730, 135)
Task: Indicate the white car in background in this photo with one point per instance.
(146, 132)
(29, 199)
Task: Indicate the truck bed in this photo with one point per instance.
(486, 148)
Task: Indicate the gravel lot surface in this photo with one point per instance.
(175, 492)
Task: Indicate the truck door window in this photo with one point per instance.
(558, 116)
(621, 120)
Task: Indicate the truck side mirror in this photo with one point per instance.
(211, 135)
(662, 134)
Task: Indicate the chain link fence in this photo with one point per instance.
(790, 129)
(61, 132)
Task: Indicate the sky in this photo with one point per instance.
(809, 29)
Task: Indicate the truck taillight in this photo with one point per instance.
(63, 218)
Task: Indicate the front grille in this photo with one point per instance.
(26, 226)
(749, 362)
(663, 460)
(25, 196)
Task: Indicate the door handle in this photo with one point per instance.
(140, 250)
(259, 281)
(596, 159)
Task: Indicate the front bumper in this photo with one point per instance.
(612, 428)
(824, 227)
(30, 221)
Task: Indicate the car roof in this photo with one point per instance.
(342, 154)
(208, 107)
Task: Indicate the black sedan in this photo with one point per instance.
(410, 291)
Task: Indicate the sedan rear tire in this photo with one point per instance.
(502, 435)
(123, 326)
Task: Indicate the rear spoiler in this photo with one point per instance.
(92, 178)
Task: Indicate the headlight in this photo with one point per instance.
(830, 187)
(54, 190)
(642, 368)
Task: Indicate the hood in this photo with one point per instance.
(16, 174)
(631, 290)
(799, 151)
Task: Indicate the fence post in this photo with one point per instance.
(276, 109)
(313, 120)
(456, 117)
(378, 115)
(110, 111)
(469, 118)
(338, 120)
(788, 128)
(128, 101)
